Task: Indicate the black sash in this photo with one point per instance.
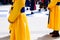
(58, 3)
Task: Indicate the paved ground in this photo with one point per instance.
(5, 38)
(46, 37)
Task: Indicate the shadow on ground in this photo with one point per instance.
(45, 37)
(5, 38)
(48, 37)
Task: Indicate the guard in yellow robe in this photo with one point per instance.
(18, 22)
(54, 21)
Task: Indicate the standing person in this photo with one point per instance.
(33, 6)
(46, 4)
(4, 1)
(54, 18)
(43, 4)
(18, 21)
(27, 4)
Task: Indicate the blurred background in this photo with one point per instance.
(37, 15)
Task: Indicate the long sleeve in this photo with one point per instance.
(16, 11)
(52, 3)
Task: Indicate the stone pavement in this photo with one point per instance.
(5, 38)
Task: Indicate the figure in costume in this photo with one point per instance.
(54, 18)
(18, 21)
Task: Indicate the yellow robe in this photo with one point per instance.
(54, 22)
(18, 22)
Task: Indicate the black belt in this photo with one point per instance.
(58, 3)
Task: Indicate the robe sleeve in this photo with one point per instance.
(52, 3)
(16, 10)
